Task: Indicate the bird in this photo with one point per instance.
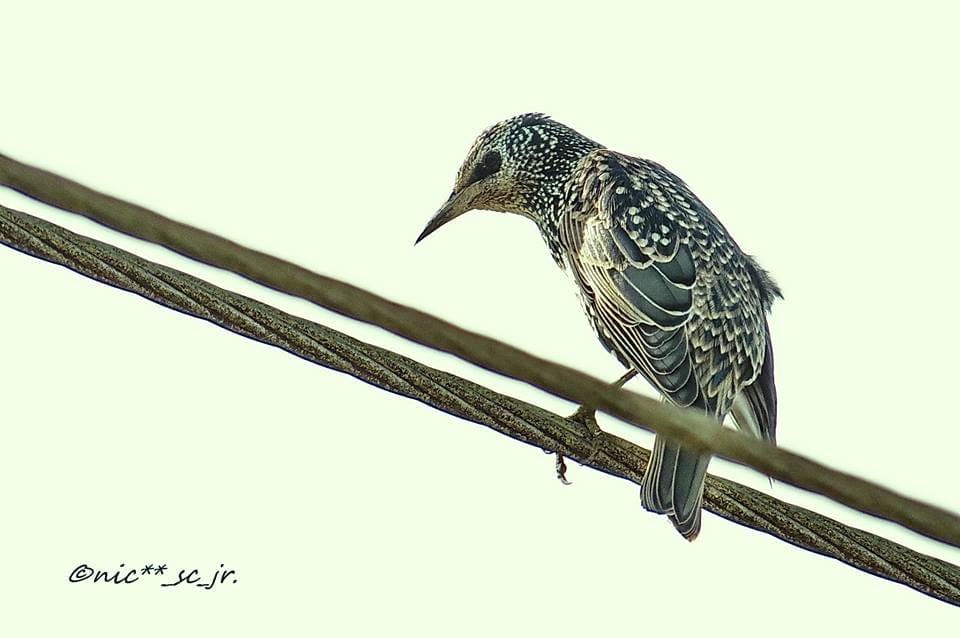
(665, 287)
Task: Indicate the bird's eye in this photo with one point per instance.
(486, 167)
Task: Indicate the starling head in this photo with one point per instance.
(515, 166)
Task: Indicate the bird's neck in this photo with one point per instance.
(548, 221)
(549, 205)
(543, 197)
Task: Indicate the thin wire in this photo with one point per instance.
(690, 428)
(522, 421)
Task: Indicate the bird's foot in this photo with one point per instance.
(587, 417)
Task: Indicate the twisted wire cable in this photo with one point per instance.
(462, 398)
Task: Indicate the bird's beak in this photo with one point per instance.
(458, 204)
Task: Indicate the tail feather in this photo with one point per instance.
(673, 484)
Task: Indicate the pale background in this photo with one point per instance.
(824, 137)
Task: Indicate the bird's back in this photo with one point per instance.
(669, 292)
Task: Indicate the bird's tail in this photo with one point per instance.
(673, 484)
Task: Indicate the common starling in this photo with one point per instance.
(665, 287)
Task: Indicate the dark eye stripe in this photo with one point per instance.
(489, 165)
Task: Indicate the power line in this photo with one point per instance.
(687, 427)
(522, 421)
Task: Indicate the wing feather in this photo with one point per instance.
(672, 294)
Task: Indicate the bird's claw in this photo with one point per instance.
(561, 467)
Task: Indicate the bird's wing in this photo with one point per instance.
(667, 289)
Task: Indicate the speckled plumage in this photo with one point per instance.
(666, 288)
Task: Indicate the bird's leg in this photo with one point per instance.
(619, 383)
(586, 416)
